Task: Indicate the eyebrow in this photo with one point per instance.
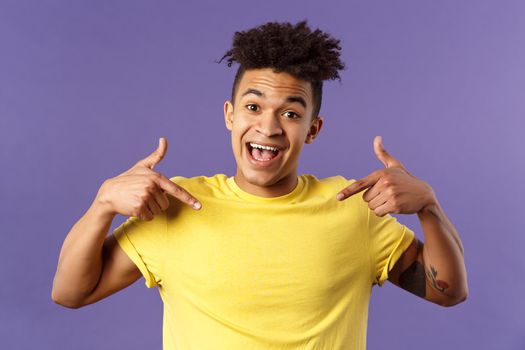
(291, 99)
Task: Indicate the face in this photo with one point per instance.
(271, 109)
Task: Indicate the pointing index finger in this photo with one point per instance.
(178, 192)
(358, 186)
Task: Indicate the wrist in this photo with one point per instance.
(432, 206)
(102, 208)
(431, 203)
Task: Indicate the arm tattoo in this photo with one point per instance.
(413, 278)
(438, 285)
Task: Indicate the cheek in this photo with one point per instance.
(239, 128)
(298, 138)
(236, 143)
(237, 133)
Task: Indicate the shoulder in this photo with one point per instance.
(201, 184)
(328, 188)
(336, 182)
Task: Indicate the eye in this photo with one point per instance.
(252, 107)
(291, 115)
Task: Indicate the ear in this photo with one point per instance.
(228, 115)
(315, 127)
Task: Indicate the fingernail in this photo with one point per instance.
(339, 196)
(197, 205)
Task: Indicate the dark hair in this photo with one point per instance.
(309, 55)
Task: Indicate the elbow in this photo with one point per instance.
(65, 302)
(455, 300)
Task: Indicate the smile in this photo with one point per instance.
(262, 155)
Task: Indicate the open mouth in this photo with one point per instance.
(262, 155)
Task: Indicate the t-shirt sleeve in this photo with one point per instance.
(144, 242)
(388, 241)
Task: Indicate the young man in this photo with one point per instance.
(265, 259)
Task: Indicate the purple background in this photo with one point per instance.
(86, 89)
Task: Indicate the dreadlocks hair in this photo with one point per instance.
(294, 49)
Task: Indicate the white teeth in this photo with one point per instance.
(254, 145)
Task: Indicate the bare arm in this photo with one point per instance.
(92, 266)
(86, 255)
(439, 262)
(434, 270)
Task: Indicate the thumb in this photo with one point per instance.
(154, 158)
(385, 157)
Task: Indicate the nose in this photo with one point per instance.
(269, 125)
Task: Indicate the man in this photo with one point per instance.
(265, 259)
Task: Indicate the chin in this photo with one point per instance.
(261, 180)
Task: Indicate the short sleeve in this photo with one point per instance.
(388, 241)
(144, 242)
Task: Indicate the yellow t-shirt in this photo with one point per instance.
(247, 272)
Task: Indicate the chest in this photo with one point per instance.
(249, 261)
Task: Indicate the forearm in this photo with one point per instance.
(443, 254)
(80, 261)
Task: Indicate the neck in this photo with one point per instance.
(259, 188)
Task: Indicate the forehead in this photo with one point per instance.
(275, 84)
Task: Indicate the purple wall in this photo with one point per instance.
(87, 89)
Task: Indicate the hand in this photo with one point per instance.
(141, 191)
(393, 189)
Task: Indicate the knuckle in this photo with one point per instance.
(190, 200)
(394, 202)
(177, 190)
(137, 204)
(186, 196)
(155, 176)
(143, 208)
(150, 187)
(397, 196)
(143, 197)
(391, 192)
